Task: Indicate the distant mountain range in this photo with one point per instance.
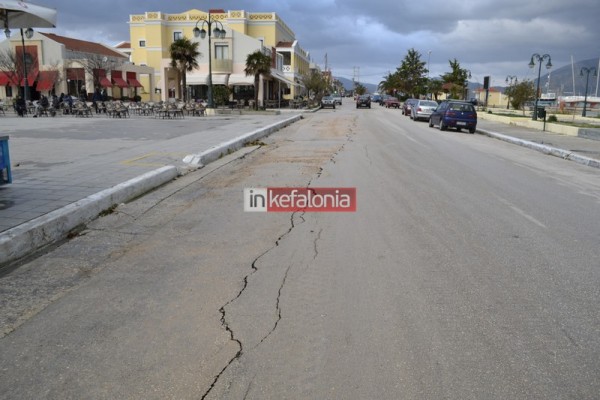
(349, 84)
(560, 82)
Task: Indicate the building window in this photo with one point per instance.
(142, 43)
(221, 52)
(177, 35)
(9, 92)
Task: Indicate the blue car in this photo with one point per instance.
(454, 114)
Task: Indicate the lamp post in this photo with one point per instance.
(510, 78)
(468, 76)
(29, 33)
(587, 80)
(219, 33)
(539, 59)
(428, 83)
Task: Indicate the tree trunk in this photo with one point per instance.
(256, 83)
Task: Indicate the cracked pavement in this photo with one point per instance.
(469, 271)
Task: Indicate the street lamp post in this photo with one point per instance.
(468, 76)
(510, 78)
(587, 81)
(29, 33)
(539, 59)
(219, 33)
(428, 83)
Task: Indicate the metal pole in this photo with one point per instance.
(587, 81)
(26, 86)
(538, 89)
(211, 103)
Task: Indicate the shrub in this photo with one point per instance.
(552, 118)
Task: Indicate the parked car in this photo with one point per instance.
(328, 101)
(363, 100)
(337, 98)
(391, 102)
(406, 107)
(454, 114)
(422, 109)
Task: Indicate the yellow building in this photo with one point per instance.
(153, 32)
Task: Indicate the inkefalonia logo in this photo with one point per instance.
(282, 199)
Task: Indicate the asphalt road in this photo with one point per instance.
(470, 270)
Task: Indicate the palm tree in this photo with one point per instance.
(257, 64)
(184, 54)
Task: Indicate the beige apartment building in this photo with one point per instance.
(152, 33)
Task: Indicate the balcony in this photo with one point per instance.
(223, 66)
(289, 69)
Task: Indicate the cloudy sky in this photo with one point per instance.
(487, 37)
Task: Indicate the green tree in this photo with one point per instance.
(435, 87)
(360, 89)
(455, 80)
(391, 84)
(184, 58)
(257, 64)
(521, 93)
(315, 85)
(221, 94)
(412, 75)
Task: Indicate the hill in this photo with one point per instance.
(349, 84)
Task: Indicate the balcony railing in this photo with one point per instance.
(288, 68)
(222, 65)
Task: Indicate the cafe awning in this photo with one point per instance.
(134, 82)
(46, 80)
(120, 82)
(4, 79)
(202, 79)
(241, 80)
(105, 82)
(31, 77)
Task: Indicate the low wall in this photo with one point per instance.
(550, 127)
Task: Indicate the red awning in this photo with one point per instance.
(119, 82)
(31, 77)
(134, 83)
(47, 80)
(4, 79)
(105, 82)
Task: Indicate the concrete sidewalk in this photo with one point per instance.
(68, 170)
(581, 150)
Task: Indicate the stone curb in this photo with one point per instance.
(30, 237)
(553, 151)
(34, 235)
(222, 149)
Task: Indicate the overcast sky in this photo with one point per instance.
(487, 37)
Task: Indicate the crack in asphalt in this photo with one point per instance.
(254, 268)
(244, 287)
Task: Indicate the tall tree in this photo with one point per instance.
(520, 93)
(184, 58)
(315, 84)
(455, 80)
(412, 74)
(257, 64)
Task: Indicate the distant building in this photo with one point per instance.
(59, 64)
(152, 33)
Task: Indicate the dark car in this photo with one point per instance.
(363, 100)
(407, 106)
(454, 114)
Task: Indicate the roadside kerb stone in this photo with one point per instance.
(38, 233)
(553, 151)
(222, 149)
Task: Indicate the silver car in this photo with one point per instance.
(422, 109)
